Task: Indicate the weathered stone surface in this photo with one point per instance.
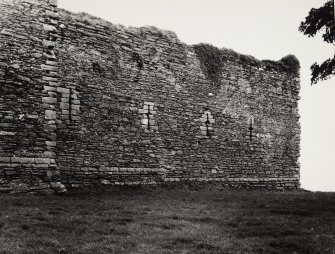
(50, 114)
(27, 95)
(49, 28)
(136, 106)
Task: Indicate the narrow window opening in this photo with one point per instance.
(149, 117)
(250, 129)
(70, 104)
(207, 125)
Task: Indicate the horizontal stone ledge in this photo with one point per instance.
(27, 160)
(235, 180)
(25, 165)
(131, 170)
(7, 133)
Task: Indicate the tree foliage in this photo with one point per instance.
(321, 20)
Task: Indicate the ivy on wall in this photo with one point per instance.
(212, 61)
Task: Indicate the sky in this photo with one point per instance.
(262, 28)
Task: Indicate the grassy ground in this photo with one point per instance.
(161, 221)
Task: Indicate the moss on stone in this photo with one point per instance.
(291, 63)
(212, 60)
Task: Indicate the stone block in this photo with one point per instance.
(48, 43)
(75, 107)
(49, 68)
(51, 79)
(63, 90)
(50, 115)
(54, 21)
(64, 105)
(52, 14)
(49, 28)
(4, 159)
(149, 103)
(49, 100)
(49, 128)
(6, 32)
(42, 160)
(7, 133)
(49, 88)
(51, 143)
(53, 3)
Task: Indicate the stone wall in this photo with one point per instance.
(118, 105)
(27, 66)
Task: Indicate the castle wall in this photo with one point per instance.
(86, 102)
(116, 72)
(27, 65)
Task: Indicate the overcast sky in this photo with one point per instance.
(266, 29)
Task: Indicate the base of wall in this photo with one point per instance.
(182, 185)
(157, 178)
(30, 175)
(40, 175)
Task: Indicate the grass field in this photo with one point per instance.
(163, 221)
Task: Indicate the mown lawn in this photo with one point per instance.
(164, 221)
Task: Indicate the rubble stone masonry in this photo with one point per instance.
(86, 102)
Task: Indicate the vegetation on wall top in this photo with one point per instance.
(212, 59)
(91, 20)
